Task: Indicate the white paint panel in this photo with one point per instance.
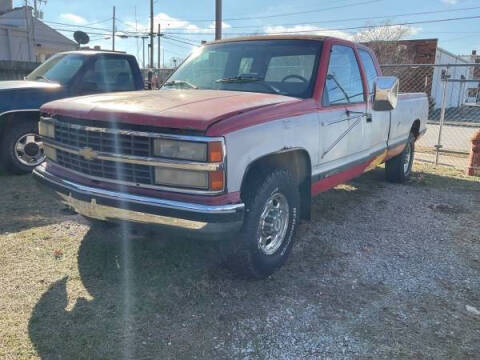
(408, 110)
(247, 145)
(307, 132)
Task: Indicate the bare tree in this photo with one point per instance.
(385, 41)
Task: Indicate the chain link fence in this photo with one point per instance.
(454, 108)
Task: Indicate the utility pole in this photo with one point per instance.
(143, 46)
(159, 28)
(113, 30)
(151, 34)
(218, 19)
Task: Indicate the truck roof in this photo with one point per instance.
(271, 37)
(94, 52)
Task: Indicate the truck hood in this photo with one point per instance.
(25, 84)
(177, 109)
(21, 94)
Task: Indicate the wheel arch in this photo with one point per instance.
(7, 117)
(415, 129)
(296, 160)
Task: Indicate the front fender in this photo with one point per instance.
(8, 117)
(247, 145)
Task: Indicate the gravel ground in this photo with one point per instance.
(382, 271)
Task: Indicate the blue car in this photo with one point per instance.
(63, 75)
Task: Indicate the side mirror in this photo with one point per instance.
(385, 93)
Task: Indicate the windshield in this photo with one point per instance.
(60, 68)
(285, 67)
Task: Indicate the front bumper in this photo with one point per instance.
(195, 219)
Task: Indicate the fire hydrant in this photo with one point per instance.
(473, 168)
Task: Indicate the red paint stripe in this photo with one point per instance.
(339, 178)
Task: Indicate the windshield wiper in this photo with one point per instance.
(332, 77)
(237, 79)
(180, 83)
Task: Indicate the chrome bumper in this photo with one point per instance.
(195, 219)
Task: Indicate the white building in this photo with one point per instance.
(473, 88)
(25, 38)
(456, 90)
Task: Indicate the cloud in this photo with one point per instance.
(77, 20)
(306, 29)
(168, 22)
(450, 2)
(224, 25)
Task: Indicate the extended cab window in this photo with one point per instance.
(370, 69)
(344, 81)
(108, 75)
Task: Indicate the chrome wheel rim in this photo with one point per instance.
(273, 224)
(29, 150)
(407, 159)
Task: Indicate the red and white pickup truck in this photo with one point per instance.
(236, 143)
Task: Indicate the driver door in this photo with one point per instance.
(343, 121)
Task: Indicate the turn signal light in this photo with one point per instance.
(215, 180)
(215, 151)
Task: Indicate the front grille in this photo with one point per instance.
(138, 174)
(103, 141)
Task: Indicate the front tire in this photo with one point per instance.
(399, 168)
(21, 148)
(271, 220)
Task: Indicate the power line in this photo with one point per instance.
(180, 41)
(96, 28)
(363, 18)
(336, 29)
(99, 22)
(208, 31)
(169, 41)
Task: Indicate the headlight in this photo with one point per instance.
(185, 150)
(207, 152)
(46, 129)
(181, 178)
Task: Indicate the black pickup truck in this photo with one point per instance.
(64, 75)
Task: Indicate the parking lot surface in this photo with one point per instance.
(382, 271)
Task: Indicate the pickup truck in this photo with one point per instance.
(235, 144)
(63, 75)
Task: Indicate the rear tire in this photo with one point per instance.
(21, 148)
(272, 213)
(399, 168)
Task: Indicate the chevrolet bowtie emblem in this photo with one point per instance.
(88, 153)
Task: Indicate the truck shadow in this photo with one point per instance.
(25, 206)
(153, 297)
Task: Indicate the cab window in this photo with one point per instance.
(370, 69)
(344, 81)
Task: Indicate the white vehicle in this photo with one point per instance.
(237, 142)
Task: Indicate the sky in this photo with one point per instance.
(185, 23)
